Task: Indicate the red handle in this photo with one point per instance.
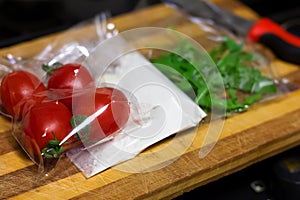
(266, 26)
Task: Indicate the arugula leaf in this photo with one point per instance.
(244, 84)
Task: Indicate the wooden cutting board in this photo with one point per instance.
(268, 128)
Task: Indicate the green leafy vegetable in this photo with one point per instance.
(244, 85)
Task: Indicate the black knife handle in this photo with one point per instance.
(281, 48)
(285, 45)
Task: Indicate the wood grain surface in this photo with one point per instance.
(268, 128)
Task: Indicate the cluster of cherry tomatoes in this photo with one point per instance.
(49, 111)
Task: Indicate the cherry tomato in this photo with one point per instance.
(116, 115)
(20, 90)
(67, 81)
(113, 108)
(44, 126)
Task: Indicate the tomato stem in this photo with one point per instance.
(49, 69)
(53, 149)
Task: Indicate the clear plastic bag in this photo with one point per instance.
(49, 122)
(56, 105)
(247, 69)
(158, 110)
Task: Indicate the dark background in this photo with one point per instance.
(26, 19)
(22, 20)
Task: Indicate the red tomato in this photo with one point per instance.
(67, 81)
(48, 121)
(115, 111)
(20, 90)
(116, 115)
